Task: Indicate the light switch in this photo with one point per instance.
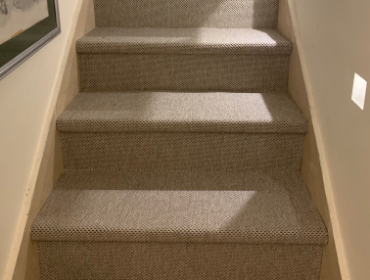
(359, 91)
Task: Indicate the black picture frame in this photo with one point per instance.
(18, 49)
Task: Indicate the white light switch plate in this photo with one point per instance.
(359, 91)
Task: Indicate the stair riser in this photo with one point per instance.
(181, 72)
(182, 151)
(141, 261)
(187, 13)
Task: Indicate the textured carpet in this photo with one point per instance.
(187, 13)
(182, 112)
(264, 212)
(183, 72)
(207, 59)
(168, 261)
(182, 152)
(184, 40)
(286, 182)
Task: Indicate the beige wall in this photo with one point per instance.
(27, 101)
(311, 165)
(334, 44)
(27, 266)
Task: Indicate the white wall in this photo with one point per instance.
(27, 97)
(335, 44)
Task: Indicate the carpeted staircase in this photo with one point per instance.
(182, 152)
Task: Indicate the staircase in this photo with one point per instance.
(182, 152)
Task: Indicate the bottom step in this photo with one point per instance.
(179, 225)
(170, 261)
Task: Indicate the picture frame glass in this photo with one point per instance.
(23, 23)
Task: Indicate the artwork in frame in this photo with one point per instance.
(25, 27)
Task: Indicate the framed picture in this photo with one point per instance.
(25, 27)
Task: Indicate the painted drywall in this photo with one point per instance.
(334, 44)
(26, 98)
(27, 266)
(311, 165)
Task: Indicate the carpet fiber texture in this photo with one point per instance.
(182, 112)
(184, 40)
(182, 152)
(187, 13)
(168, 261)
(183, 72)
(260, 213)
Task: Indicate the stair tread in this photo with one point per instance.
(184, 40)
(181, 206)
(172, 111)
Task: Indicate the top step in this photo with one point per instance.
(185, 41)
(187, 13)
